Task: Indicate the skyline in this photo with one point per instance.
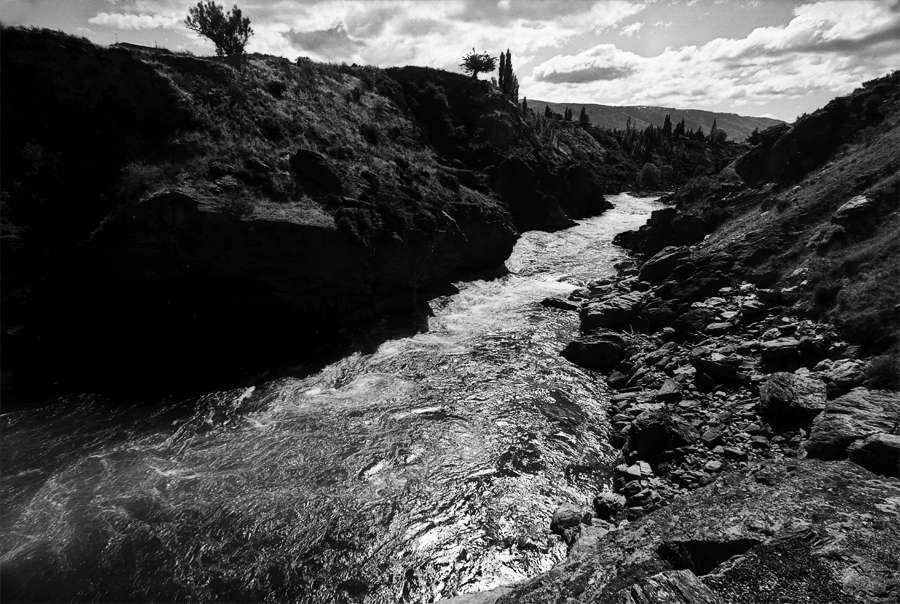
(760, 58)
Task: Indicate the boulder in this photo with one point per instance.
(853, 417)
(313, 167)
(661, 216)
(611, 312)
(560, 303)
(669, 392)
(858, 214)
(655, 432)
(567, 521)
(791, 400)
(780, 348)
(661, 265)
(598, 349)
(878, 453)
(721, 372)
(607, 505)
(694, 321)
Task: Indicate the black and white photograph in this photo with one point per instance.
(458, 301)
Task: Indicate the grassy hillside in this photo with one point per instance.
(612, 117)
(814, 208)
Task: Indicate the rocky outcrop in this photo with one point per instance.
(793, 530)
(789, 399)
(178, 271)
(597, 349)
(857, 415)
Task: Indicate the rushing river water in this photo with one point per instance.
(428, 468)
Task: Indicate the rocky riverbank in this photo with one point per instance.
(753, 456)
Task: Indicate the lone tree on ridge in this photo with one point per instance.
(476, 63)
(228, 31)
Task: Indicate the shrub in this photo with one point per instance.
(239, 207)
(883, 372)
(276, 88)
(228, 31)
(370, 132)
(650, 176)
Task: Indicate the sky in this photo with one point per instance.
(753, 57)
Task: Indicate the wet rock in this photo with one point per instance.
(661, 265)
(607, 505)
(560, 303)
(855, 416)
(878, 453)
(612, 312)
(791, 400)
(598, 349)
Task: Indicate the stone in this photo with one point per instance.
(607, 505)
(719, 371)
(661, 265)
(719, 328)
(694, 320)
(712, 437)
(753, 308)
(560, 303)
(780, 348)
(857, 210)
(759, 442)
(791, 400)
(617, 379)
(313, 167)
(669, 587)
(712, 466)
(854, 416)
(611, 312)
(669, 392)
(598, 349)
(734, 453)
(878, 453)
(654, 432)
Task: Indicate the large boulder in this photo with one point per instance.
(879, 453)
(792, 400)
(858, 214)
(654, 432)
(853, 417)
(598, 349)
(612, 312)
(661, 265)
(313, 167)
(720, 372)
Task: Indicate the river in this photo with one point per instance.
(427, 468)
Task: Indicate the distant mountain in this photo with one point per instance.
(738, 127)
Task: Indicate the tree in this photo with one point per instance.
(567, 115)
(547, 111)
(583, 118)
(501, 71)
(525, 105)
(667, 128)
(228, 31)
(713, 131)
(754, 138)
(476, 63)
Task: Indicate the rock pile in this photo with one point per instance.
(712, 376)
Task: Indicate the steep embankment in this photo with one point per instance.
(743, 385)
(176, 211)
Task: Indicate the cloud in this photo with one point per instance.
(826, 49)
(602, 62)
(630, 30)
(132, 21)
(662, 25)
(332, 43)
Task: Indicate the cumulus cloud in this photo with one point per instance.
(333, 43)
(132, 21)
(827, 48)
(602, 62)
(630, 30)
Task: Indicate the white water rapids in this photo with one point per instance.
(428, 468)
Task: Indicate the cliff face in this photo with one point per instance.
(150, 199)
